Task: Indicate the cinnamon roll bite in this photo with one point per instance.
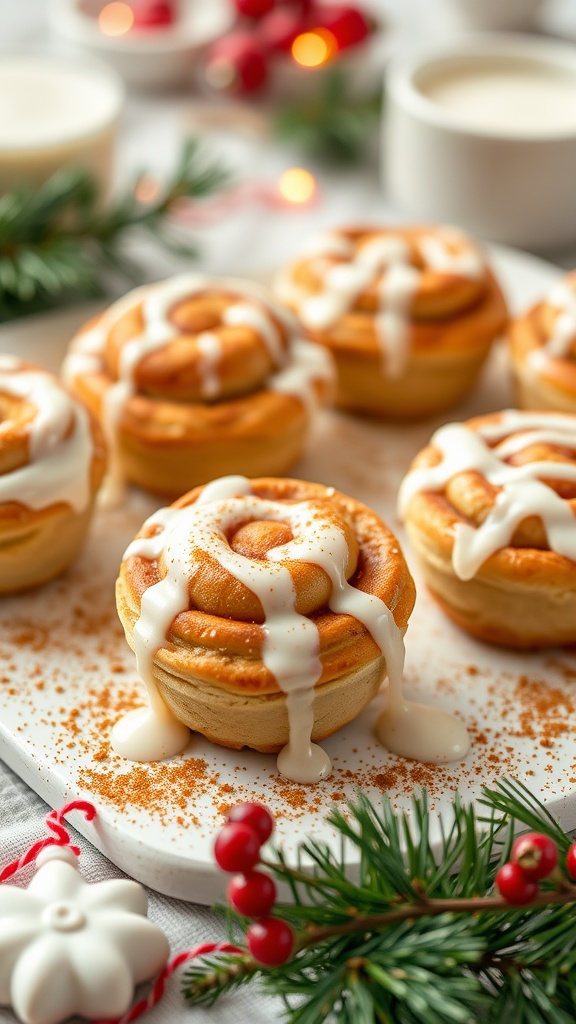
(51, 465)
(264, 614)
(195, 377)
(543, 349)
(489, 507)
(408, 313)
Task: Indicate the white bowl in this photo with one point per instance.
(505, 172)
(151, 58)
(57, 112)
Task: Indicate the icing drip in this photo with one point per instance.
(562, 298)
(245, 315)
(291, 643)
(293, 376)
(523, 493)
(310, 365)
(210, 349)
(344, 282)
(60, 457)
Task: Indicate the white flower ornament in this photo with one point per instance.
(67, 947)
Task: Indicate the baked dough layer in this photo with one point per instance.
(542, 344)
(46, 444)
(195, 378)
(524, 593)
(210, 671)
(451, 320)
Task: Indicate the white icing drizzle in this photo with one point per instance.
(60, 457)
(522, 491)
(210, 349)
(88, 352)
(291, 642)
(562, 297)
(344, 282)
(310, 364)
(245, 315)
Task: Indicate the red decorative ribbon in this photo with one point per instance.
(61, 837)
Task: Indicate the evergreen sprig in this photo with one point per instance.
(57, 241)
(332, 123)
(420, 936)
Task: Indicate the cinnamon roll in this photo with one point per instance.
(543, 350)
(195, 377)
(409, 314)
(51, 465)
(489, 508)
(264, 614)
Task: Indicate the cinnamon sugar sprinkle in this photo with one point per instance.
(67, 674)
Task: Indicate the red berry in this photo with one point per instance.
(256, 816)
(279, 29)
(237, 848)
(153, 14)
(253, 8)
(514, 886)
(571, 861)
(536, 854)
(270, 941)
(252, 894)
(236, 64)
(348, 25)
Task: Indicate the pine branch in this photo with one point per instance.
(58, 244)
(422, 937)
(332, 124)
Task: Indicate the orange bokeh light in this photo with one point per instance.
(147, 189)
(312, 49)
(297, 185)
(116, 19)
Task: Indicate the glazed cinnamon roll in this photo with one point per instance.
(543, 350)
(409, 314)
(51, 465)
(263, 614)
(489, 507)
(195, 377)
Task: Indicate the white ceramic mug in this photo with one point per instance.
(458, 153)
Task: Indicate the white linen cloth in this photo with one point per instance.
(244, 243)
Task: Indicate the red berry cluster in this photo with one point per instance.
(534, 856)
(239, 62)
(253, 893)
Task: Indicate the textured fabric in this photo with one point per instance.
(22, 816)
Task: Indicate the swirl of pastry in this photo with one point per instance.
(543, 350)
(409, 314)
(263, 613)
(51, 465)
(194, 377)
(489, 507)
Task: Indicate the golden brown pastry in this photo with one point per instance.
(489, 508)
(195, 377)
(543, 350)
(257, 610)
(409, 314)
(51, 465)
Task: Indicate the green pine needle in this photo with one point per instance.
(57, 244)
(420, 937)
(332, 125)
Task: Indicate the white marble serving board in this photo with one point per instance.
(66, 674)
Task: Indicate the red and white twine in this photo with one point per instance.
(61, 837)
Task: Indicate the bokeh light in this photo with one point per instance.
(116, 19)
(312, 49)
(297, 185)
